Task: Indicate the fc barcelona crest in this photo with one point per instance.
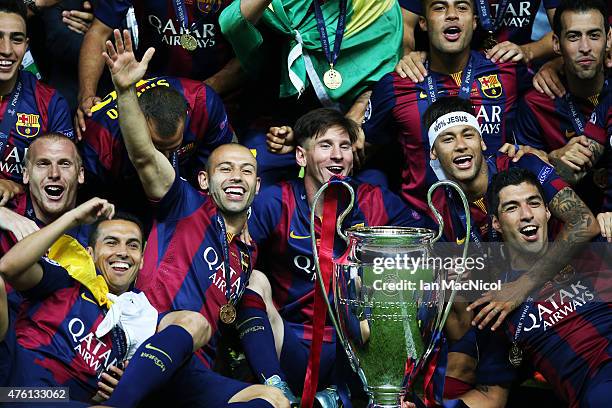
(28, 124)
(209, 6)
(490, 86)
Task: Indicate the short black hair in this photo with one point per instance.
(425, 2)
(579, 6)
(166, 107)
(318, 121)
(443, 106)
(511, 177)
(14, 7)
(120, 215)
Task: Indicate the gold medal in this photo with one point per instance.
(332, 78)
(516, 355)
(490, 42)
(188, 42)
(227, 313)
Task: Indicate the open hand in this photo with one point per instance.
(125, 70)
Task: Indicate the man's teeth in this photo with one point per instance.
(120, 265)
(234, 190)
(335, 169)
(5, 63)
(54, 190)
(462, 159)
(529, 230)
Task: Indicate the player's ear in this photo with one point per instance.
(556, 46)
(432, 154)
(483, 145)
(26, 175)
(258, 185)
(609, 40)
(81, 176)
(496, 224)
(300, 156)
(90, 251)
(203, 180)
(423, 23)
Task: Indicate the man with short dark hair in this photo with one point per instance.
(186, 120)
(28, 108)
(275, 321)
(582, 37)
(397, 104)
(564, 329)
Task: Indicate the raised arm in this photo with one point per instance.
(19, 266)
(154, 169)
(252, 10)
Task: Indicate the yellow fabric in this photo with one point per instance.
(365, 12)
(71, 255)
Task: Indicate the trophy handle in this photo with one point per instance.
(315, 253)
(468, 228)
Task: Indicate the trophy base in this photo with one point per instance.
(385, 396)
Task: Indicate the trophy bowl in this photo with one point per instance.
(388, 307)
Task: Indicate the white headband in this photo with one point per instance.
(449, 120)
(440, 125)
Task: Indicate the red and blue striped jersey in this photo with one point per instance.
(566, 333)
(184, 257)
(397, 105)
(40, 109)
(451, 209)
(159, 27)
(280, 225)
(516, 26)
(547, 124)
(105, 158)
(56, 338)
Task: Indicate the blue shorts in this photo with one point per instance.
(597, 392)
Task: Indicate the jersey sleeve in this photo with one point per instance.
(546, 174)
(377, 124)
(179, 202)
(382, 207)
(112, 12)
(218, 130)
(60, 119)
(527, 130)
(265, 213)
(596, 127)
(54, 278)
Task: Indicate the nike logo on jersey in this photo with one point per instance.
(150, 347)
(460, 241)
(569, 134)
(292, 235)
(87, 299)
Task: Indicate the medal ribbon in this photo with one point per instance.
(484, 14)
(467, 77)
(331, 58)
(326, 249)
(226, 259)
(10, 115)
(181, 13)
(578, 119)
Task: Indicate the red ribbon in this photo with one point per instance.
(326, 251)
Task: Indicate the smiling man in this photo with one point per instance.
(564, 330)
(275, 320)
(28, 108)
(557, 126)
(397, 104)
(199, 255)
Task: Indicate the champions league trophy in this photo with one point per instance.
(388, 308)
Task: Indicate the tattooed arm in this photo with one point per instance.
(573, 160)
(579, 227)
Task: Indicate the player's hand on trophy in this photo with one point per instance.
(505, 51)
(280, 139)
(125, 70)
(547, 79)
(498, 304)
(108, 381)
(91, 211)
(605, 225)
(19, 225)
(8, 190)
(412, 65)
(575, 154)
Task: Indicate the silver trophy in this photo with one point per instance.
(389, 303)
